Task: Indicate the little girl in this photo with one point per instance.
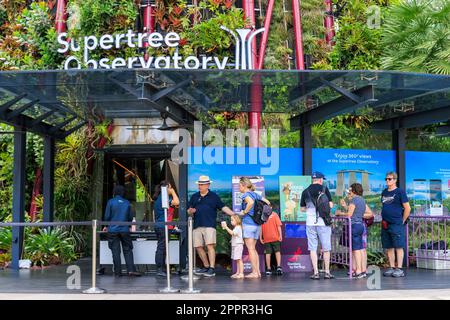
(237, 245)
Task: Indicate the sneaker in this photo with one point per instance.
(201, 272)
(388, 272)
(161, 273)
(268, 272)
(279, 271)
(134, 274)
(209, 273)
(398, 273)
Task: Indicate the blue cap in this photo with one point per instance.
(317, 175)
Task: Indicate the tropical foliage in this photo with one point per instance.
(400, 35)
(416, 37)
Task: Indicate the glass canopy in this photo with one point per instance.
(64, 99)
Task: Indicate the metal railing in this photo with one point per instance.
(341, 242)
(427, 241)
(95, 224)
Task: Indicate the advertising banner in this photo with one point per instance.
(258, 182)
(343, 167)
(428, 186)
(291, 188)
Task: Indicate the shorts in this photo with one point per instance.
(236, 251)
(251, 231)
(314, 233)
(364, 236)
(357, 236)
(393, 237)
(204, 236)
(272, 247)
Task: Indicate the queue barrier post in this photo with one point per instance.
(94, 289)
(169, 288)
(191, 288)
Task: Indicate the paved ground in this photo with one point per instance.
(52, 283)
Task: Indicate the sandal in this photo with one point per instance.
(328, 276)
(239, 276)
(252, 276)
(315, 276)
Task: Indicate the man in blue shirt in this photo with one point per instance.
(395, 213)
(204, 205)
(119, 209)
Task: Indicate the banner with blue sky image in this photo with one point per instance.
(342, 167)
(428, 182)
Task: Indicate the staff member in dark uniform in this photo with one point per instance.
(160, 256)
(119, 209)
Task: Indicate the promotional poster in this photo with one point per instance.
(343, 167)
(428, 187)
(291, 188)
(257, 181)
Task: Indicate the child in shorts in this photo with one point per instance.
(237, 245)
(271, 237)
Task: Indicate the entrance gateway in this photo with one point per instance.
(146, 107)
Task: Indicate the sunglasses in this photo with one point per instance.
(389, 179)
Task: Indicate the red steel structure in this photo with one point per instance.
(329, 22)
(299, 58)
(248, 7)
(149, 20)
(254, 117)
(61, 16)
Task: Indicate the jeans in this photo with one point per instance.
(114, 241)
(160, 256)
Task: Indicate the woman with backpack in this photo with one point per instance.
(357, 210)
(251, 229)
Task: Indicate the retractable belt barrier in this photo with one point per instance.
(95, 223)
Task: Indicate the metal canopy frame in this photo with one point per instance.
(40, 102)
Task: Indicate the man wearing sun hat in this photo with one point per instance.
(315, 226)
(203, 205)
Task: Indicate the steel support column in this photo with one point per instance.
(306, 145)
(183, 187)
(49, 178)
(265, 37)
(149, 21)
(399, 145)
(329, 22)
(18, 194)
(254, 117)
(61, 16)
(299, 58)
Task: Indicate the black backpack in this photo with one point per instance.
(261, 211)
(322, 204)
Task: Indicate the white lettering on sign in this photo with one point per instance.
(131, 39)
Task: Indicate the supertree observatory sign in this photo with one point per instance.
(135, 40)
